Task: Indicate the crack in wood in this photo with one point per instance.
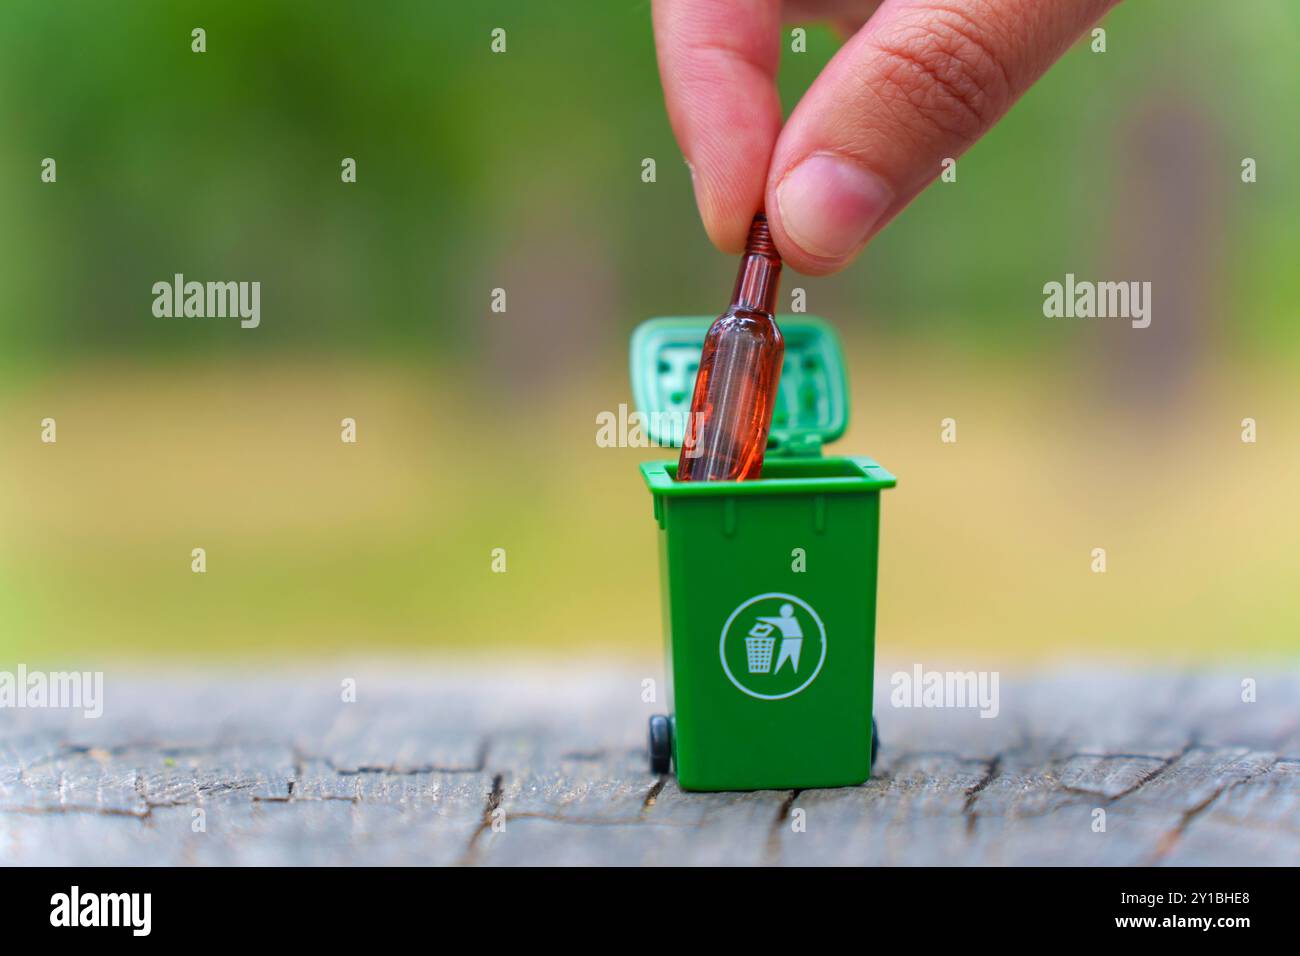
(772, 851)
(493, 804)
(652, 795)
(972, 793)
(1154, 774)
(1170, 839)
(55, 809)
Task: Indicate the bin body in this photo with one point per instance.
(768, 586)
(727, 560)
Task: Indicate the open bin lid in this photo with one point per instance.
(812, 405)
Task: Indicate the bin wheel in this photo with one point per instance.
(661, 744)
(875, 742)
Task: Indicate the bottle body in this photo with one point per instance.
(731, 412)
(740, 368)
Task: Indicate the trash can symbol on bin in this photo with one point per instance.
(758, 647)
(759, 644)
(768, 586)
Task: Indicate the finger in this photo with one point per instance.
(922, 81)
(718, 62)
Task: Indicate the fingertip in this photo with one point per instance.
(823, 210)
(727, 206)
(726, 233)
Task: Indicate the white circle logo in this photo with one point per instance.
(772, 646)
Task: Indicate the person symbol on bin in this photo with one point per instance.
(791, 637)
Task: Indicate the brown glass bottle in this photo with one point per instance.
(735, 392)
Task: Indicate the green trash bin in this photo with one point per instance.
(768, 587)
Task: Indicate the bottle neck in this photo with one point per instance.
(760, 271)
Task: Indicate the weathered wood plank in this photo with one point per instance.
(445, 764)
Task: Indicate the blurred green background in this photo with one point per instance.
(477, 429)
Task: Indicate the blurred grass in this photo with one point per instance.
(316, 547)
(522, 171)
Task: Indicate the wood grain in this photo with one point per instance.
(442, 764)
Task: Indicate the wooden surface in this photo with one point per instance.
(425, 762)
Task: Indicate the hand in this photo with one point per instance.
(921, 81)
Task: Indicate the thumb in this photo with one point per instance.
(922, 81)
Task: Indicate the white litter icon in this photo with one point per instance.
(758, 648)
(759, 644)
